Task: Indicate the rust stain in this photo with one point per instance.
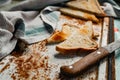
(32, 62)
(5, 67)
(1, 63)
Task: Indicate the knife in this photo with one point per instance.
(86, 62)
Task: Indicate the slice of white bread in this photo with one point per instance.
(91, 6)
(56, 37)
(79, 40)
(59, 36)
(68, 29)
(87, 30)
(77, 43)
(79, 14)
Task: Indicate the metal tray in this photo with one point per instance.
(41, 61)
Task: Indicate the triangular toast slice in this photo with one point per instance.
(68, 29)
(77, 43)
(91, 6)
(59, 36)
(80, 40)
(79, 14)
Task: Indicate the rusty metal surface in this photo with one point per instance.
(103, 66)
(42, 62)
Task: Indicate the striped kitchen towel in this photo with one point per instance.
(29, 26)
(111, 7)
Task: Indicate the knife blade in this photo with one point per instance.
(89, 60)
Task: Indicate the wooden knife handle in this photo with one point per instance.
(84, 63)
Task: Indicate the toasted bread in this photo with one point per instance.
(91, 6)
(59, 36)
(87, 29)
(79, 40)
(77, 43)
(79, 14)
(56, 37)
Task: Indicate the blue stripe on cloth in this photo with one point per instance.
(35, 31)
(53, 16)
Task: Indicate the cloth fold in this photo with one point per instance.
(29, 26)
(4, 2)
(111, 7)
(35, 4)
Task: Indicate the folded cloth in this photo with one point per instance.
(35, 4)
(4, 2)
(111, 7)
(29, 26)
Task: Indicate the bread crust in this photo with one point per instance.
(75, 50)
(79, 14)
(90, 6)
(79, 41)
